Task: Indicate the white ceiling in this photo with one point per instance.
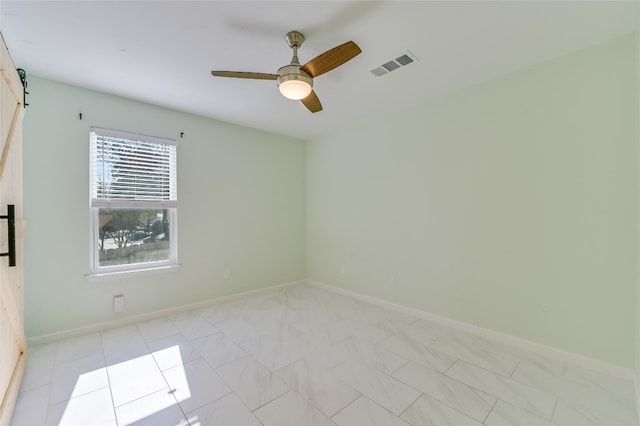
(162, 52)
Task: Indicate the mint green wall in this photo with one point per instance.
(241, 207)
(637, 318)
(510, 205)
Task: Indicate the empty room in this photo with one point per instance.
(319, 213)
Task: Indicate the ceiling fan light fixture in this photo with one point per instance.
(294, 83)
(295, 89)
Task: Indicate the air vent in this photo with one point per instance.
(391, 65)
(399, 62)
(378, 72)
(404, 60)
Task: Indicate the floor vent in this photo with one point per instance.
(399, 62)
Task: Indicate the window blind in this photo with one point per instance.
(129, 170)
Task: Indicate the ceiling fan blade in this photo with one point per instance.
(241, 74)
(331, 59)
(312, 102)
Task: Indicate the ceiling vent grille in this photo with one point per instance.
(399, 62)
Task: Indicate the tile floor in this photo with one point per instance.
(307, 356)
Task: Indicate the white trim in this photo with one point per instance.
(173, 236)
(539, 348)
(131, 273)
(133, 204)
(106, 325)
(132, 136)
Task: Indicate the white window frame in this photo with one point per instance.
(98, 272)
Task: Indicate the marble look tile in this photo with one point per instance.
(414, 332)
(279, 312)
(504, 414)
(540, 367)
(134, 379)
(601, 382)
(123, 344)
(390, 393)
(365, 412)
(328, 331)
(479, 355)
(428, 411)
(514, 392)
(591, 402)
(218, 349)
(228, 410)
(465, 399)
(252, 382)
(193, 326)
(568, 415)
(43, 348)
(78, 347)
(31, 407)
(39, 370)
(272, 352)
(159, 408)
(78, 377)
(373, 355)
(356, 311)
(291, 409)
(237, 329)
(597, 411)
(325, 356)
(259, 303)
(277, 329)
(157, 329)
(322, 389)
(533, 360)
(409, 349)
(172, 351)
(195, 385)
(318, 307)
(369, 333)
(94, 408)
(217, 313)
(533, 376)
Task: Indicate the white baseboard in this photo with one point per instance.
(106, 325)
(539, 348)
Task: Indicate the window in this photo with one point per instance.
(133, 202)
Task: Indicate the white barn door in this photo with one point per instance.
(13, 348)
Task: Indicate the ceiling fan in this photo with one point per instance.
(295, 81)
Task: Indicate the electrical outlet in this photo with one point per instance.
(342, 269)
(118, 303)
(227, 274)
(393, 279)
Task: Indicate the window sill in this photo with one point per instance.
(111, 276)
